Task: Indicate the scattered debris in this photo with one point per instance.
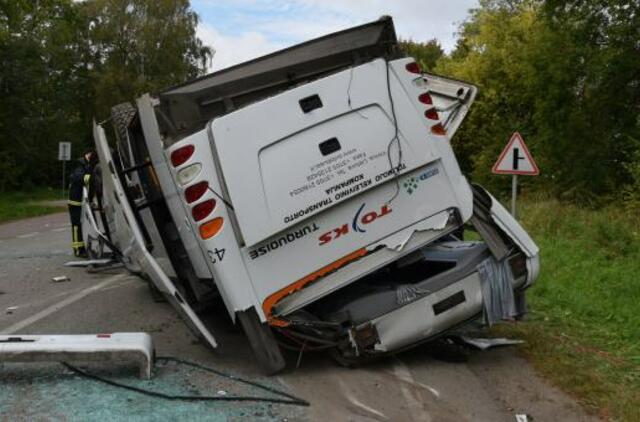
(487, 343)
(10, 309)
(523, 417)
(222, 393)
(1, 292)
(60, 279)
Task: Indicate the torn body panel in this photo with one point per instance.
(136, 250)
(430, 290)
(97, 242)
(494, 222)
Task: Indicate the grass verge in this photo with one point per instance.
(16, 205)
(583, 330)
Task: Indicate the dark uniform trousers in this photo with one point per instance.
(80, 178)
(75, 212)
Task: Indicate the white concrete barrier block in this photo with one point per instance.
(136, 347)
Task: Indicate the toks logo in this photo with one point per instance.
(356, 224)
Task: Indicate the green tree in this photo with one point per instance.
(38, 94)
(495, 52)
(426, 54)
(62, 63)
(566, 75)
(141, 46)
(599, 145)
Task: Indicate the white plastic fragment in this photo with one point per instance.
(398, 240)
(10, 309)
(486, 343)
(60, 279)
(88, 262)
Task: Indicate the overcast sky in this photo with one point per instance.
(240, 30)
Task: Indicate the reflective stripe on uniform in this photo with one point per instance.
(86, 179)
(74, 203)
(77, 243)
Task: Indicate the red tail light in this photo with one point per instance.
(195, 192)
(181, 155)
(203, 209)
(431, 114)
(413, 67)
(425, 99)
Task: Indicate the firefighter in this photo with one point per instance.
(80, 178)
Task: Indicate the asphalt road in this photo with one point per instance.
(492, 385)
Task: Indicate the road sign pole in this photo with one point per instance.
(63, 176)
(64, 154)
(514, 193)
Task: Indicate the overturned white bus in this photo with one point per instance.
(315, 192)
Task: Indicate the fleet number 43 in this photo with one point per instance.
(216, 255)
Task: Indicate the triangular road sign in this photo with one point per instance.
(516, 159)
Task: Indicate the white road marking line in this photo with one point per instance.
(401, 376)
(61, 229)
(283, 382)
(416, 409)
(39, 302)
(123, 284)
(56, 307)
(360, 405)
(24, 236)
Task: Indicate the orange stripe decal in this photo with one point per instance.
(270, 301)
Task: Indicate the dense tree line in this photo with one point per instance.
(565, 73)
(64, 63)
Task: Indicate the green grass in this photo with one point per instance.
(16, 205)
(583, 330)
